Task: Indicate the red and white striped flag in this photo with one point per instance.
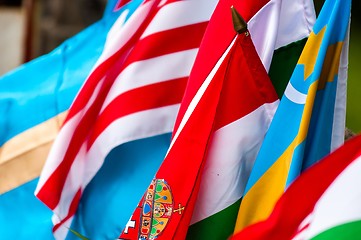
(133, 92)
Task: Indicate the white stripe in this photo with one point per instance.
(340, 203)
(150, 71)
(121, 33)
(180, 14)
(339, 118)
(131, 127)
(278, 24)
(294, 95)
(263, 27)
(231, 155)
(62, 141)
(199, 94)
(297, 18)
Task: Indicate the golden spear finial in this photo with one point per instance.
(238, 22)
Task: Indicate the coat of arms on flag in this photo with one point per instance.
(153, 213)
(157, 209)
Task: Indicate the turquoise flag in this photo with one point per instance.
(310, 120)
(33, 100)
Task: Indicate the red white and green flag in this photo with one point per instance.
(323, 203)
(237, 93)
(235, 147)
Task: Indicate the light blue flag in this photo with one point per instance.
(33, 100)
(310, 120)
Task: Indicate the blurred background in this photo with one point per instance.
(31, 28)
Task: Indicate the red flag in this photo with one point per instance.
(237, 85)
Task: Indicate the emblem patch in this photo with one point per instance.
(157, 209)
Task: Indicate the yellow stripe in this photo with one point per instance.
(23, 156)
(259, 202)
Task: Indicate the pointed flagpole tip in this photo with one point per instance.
(239, 24)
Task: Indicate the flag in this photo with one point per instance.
(132, 94)
(307, 125)
(34, 99)
(216, 210)
(48, 90)
(236, 93)
(314, 207)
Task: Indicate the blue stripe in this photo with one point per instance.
(113, 194)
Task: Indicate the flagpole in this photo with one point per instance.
(239, 24)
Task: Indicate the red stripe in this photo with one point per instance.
(140, 99)
(72, 210)
(169, 41)
(217, 37)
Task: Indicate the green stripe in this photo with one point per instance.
(217, 226)
(351, 230)
(283, 63)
